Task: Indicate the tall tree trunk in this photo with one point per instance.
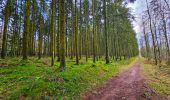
(53, 31)
(26, 29)
(76, 33)
(40, 38)
(166, 37)
(19, 30)
(156, 39)
(33, 27)
(146, 42)
(80, 34)
(62, 34)
(86, 42)
(94, 51)
(86, 13)
(58, 35)
(158, 48)
(153, 37)
(3, 52)
(66, 39)
(72, 32)
(4, 40)
(106, 37)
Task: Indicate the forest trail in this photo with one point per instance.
(129, 85)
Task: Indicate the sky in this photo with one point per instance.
(138, 7)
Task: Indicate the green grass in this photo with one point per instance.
(35, 79)
(158, 78)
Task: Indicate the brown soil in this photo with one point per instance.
(128, 85)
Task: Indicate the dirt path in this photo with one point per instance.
(128, 85)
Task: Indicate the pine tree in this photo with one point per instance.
(7, 14)
(53, 31)
(26, 29)
(76, 33)
(105, 28)
(62, 34)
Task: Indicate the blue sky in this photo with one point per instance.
(138, 7)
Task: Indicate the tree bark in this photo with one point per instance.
(76, 33)
(153, 37)
(62, 34)
(26, 29)
(106, 37)
(4, 40)
(53, 31)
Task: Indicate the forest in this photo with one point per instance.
(156, 20)
(84, 50)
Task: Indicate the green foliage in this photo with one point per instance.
(35, 79)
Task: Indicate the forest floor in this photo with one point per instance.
(35, 79)
(130, 79)
(128, 85)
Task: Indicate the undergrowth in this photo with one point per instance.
(35, 79)
(158, 77)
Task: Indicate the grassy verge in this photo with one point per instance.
(158, 78)
(35, 79)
